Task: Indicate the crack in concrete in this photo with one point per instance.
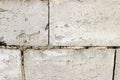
(113, 76)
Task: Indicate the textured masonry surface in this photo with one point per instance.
(85, 23)
(24, 23)
(72, 22)
(51, 25)
(10, 64)
(65, 64)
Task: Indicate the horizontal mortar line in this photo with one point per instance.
(56, 47)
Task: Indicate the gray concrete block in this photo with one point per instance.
(67, 64)
(85, 22)
(24, 22)
(10, 64)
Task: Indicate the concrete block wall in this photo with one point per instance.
(59, 39)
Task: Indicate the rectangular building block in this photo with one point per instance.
(117, 65)
(85, 22)
(67, 64)
(10, 64)
(24, 22)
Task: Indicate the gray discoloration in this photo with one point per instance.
(66, 25)
(59, 37)
(25, 38)
(2, 10)
(30, 36)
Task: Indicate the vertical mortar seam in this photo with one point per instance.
(22, 63)
(48, 22)
(114, 65)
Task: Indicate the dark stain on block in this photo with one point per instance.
(3, 44)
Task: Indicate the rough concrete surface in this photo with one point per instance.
(59, 39)
(24, 22)
(67, 64)
(10, 64)
(85, 22)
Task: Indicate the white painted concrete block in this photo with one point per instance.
(66, 64)
(24, 23)
(10, 64)
(85, 22)
(117, 65)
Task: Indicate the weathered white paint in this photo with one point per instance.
(66, 64)
(85, 22)
(24, 23)
(10, 64)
